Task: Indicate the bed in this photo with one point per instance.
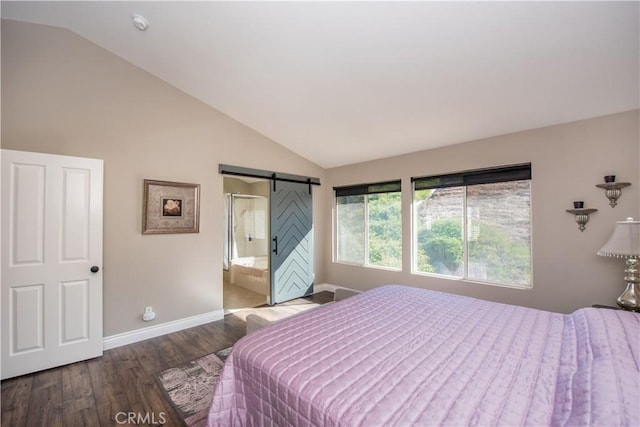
(404, 356)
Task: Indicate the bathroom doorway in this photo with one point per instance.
(246, 274)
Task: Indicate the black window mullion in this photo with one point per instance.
(366, 230)
(465, 236)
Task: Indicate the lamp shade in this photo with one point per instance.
(624, 241)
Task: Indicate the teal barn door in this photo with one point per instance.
(292, 241)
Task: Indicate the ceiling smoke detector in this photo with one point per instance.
(140, 22)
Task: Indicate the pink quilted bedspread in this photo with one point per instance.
(409, 357)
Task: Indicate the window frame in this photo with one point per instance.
(394, 186)
(517, 172)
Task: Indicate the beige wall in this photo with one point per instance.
(567, 161)
(64, 95)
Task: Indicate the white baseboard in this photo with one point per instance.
(131, 337)
(142, 334)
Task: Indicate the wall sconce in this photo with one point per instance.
(582, 214)
(612, 189)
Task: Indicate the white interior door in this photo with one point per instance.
(51, 261)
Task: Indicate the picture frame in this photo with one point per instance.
(170, 207)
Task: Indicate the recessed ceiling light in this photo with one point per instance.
(140, 22)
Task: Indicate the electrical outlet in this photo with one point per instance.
(148, 315)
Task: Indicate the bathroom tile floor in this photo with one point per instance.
(236, 298)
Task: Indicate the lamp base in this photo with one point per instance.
(630, 298)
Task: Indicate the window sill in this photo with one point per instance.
(375, 267)
(472, 281)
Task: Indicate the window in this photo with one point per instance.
(474, 225)
(369, 224)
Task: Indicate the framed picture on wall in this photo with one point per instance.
(170, 207)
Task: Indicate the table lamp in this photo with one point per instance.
(625, 243)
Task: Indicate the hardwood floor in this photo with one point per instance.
(121, 385)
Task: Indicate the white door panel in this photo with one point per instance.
(52, 236)
(26, 200)
(27, 309)
(74, 312)
(75, 215)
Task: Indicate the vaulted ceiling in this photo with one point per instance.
(346, 82)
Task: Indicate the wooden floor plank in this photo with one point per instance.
(170, 353)
(142, 389)
(107, 390)
(46, 407)
(197, 343)
(123, 381)
(77, 395)
(150, 357)
(15, 393)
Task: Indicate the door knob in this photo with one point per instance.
(95, 269)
